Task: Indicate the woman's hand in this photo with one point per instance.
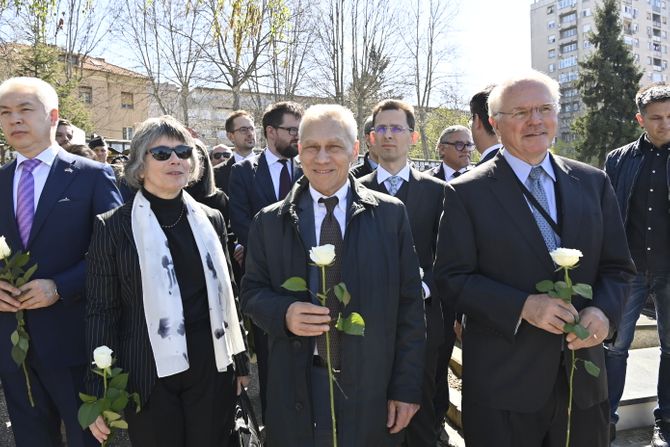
(242, 382)
(99, 429)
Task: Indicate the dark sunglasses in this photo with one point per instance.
(163, 153)
(217, 155)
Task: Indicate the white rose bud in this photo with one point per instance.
(4, 248)
(102, 357)
(323, 255)
(566, 257)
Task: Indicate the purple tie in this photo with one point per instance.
(25, 200)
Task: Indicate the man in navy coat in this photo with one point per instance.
(48, 199)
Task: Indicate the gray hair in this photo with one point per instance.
(495, 98)
(651, 94)
(453, 129)
(44, 92)
(150, 131)
(334, 112)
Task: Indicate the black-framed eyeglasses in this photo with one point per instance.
(244, 129)
(293, 131)
(394, 129)
(460, 146)
(163, 153)
(219, 155)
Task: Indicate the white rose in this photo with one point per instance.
(323, 255)
(566, 257)
(4, 248)
(102, 357)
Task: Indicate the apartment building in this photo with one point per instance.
(559, 40)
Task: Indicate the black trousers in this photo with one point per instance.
(192, 408)
(445, 350)
(262, 354)
(484, 426)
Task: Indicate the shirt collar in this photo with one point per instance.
(383, 174)
(489, 150)
(341, 195)
(522, 169)
(47, 156)
(271, 157)
(239, 158)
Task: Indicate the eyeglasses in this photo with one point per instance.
(460, 146)
(163, 153)
(218, 155)
(395, 130)
(293, 131)
(543, 110)
(244, 129)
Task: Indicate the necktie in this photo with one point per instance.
(455, 174)
(25, 200)
(331, 233)
(535, 187)
(395, 183)
(284, 180)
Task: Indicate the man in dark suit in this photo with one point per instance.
(381, 372)
(48, 200)
(260, 181)
(422, 195)
(241, 131)
(485, 138)
(370, 160)
(454, 147)
(493, 248)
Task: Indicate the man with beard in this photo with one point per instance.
(263, 180)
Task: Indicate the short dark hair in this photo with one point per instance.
(233, 115)
(395, 104)
(479, 107)
(64, 122)
(274, 113)
(368, 126)
(650, 94)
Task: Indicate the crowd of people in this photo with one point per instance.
(176, 258)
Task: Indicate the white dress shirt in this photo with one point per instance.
(40, 173)
(320, 210)
(449, 172)
(383, 176)
(275, 167)
(522, 171)
(489, 150)
(239, 158)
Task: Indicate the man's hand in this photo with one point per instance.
(307, 319)
(399, 415)
(38, 293)
(242, 382)
(238, 254)
(548, 313)
(8, 297)
(598, 325)
(99, 429)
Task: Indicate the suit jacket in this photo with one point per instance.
(251, 189)
(423, 202)
(488, 157)
(491, 254)
(362, 169)
(222, 174)
(75, 191)
(115, 308)
(381, 272)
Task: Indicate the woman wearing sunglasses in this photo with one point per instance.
(160, 296)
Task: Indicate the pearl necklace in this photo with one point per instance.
(176, 221)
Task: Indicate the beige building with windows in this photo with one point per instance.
(559, 40)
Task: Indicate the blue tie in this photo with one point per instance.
(534, 185)
(394, 184)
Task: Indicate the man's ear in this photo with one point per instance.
(354, 152)
(493, 122)
(640, 119)
(373, 137)
(53, 117)
(415, 137)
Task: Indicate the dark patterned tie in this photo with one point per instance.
(284, 180)
(534, 185)
(331, 233)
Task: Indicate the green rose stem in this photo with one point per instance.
(21, 324)
(573, 366)
(328, 361)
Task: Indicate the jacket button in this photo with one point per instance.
(297, 344)
(298, 406)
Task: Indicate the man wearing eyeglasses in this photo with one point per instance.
(499, 224)
(261, 181)
(393, 135)
(454, 148)
(241, 132)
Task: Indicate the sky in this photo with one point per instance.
(493, 37)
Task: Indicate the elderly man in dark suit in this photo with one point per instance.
(422, 195)
(454, 147)
(260, 181)
(48, 201)
(499, 224)
(380, 374)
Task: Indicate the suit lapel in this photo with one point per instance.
(571, 203)
(264, 179)
(7, 209)
(505, 189)
(63, 170)
(413, 200)
(376, 186)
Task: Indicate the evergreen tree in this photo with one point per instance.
(608, 81)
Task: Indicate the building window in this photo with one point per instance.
(551, 24)
(127, 101)
(567, 62)
(550, 9)
(569, 32)
(128, 133)
(551, 54)
(551, 39)
(566, 4)
(552, 68)
(568, 47)
(569, 18)
(86, 95)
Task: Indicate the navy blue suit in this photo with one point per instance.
(75, 191)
